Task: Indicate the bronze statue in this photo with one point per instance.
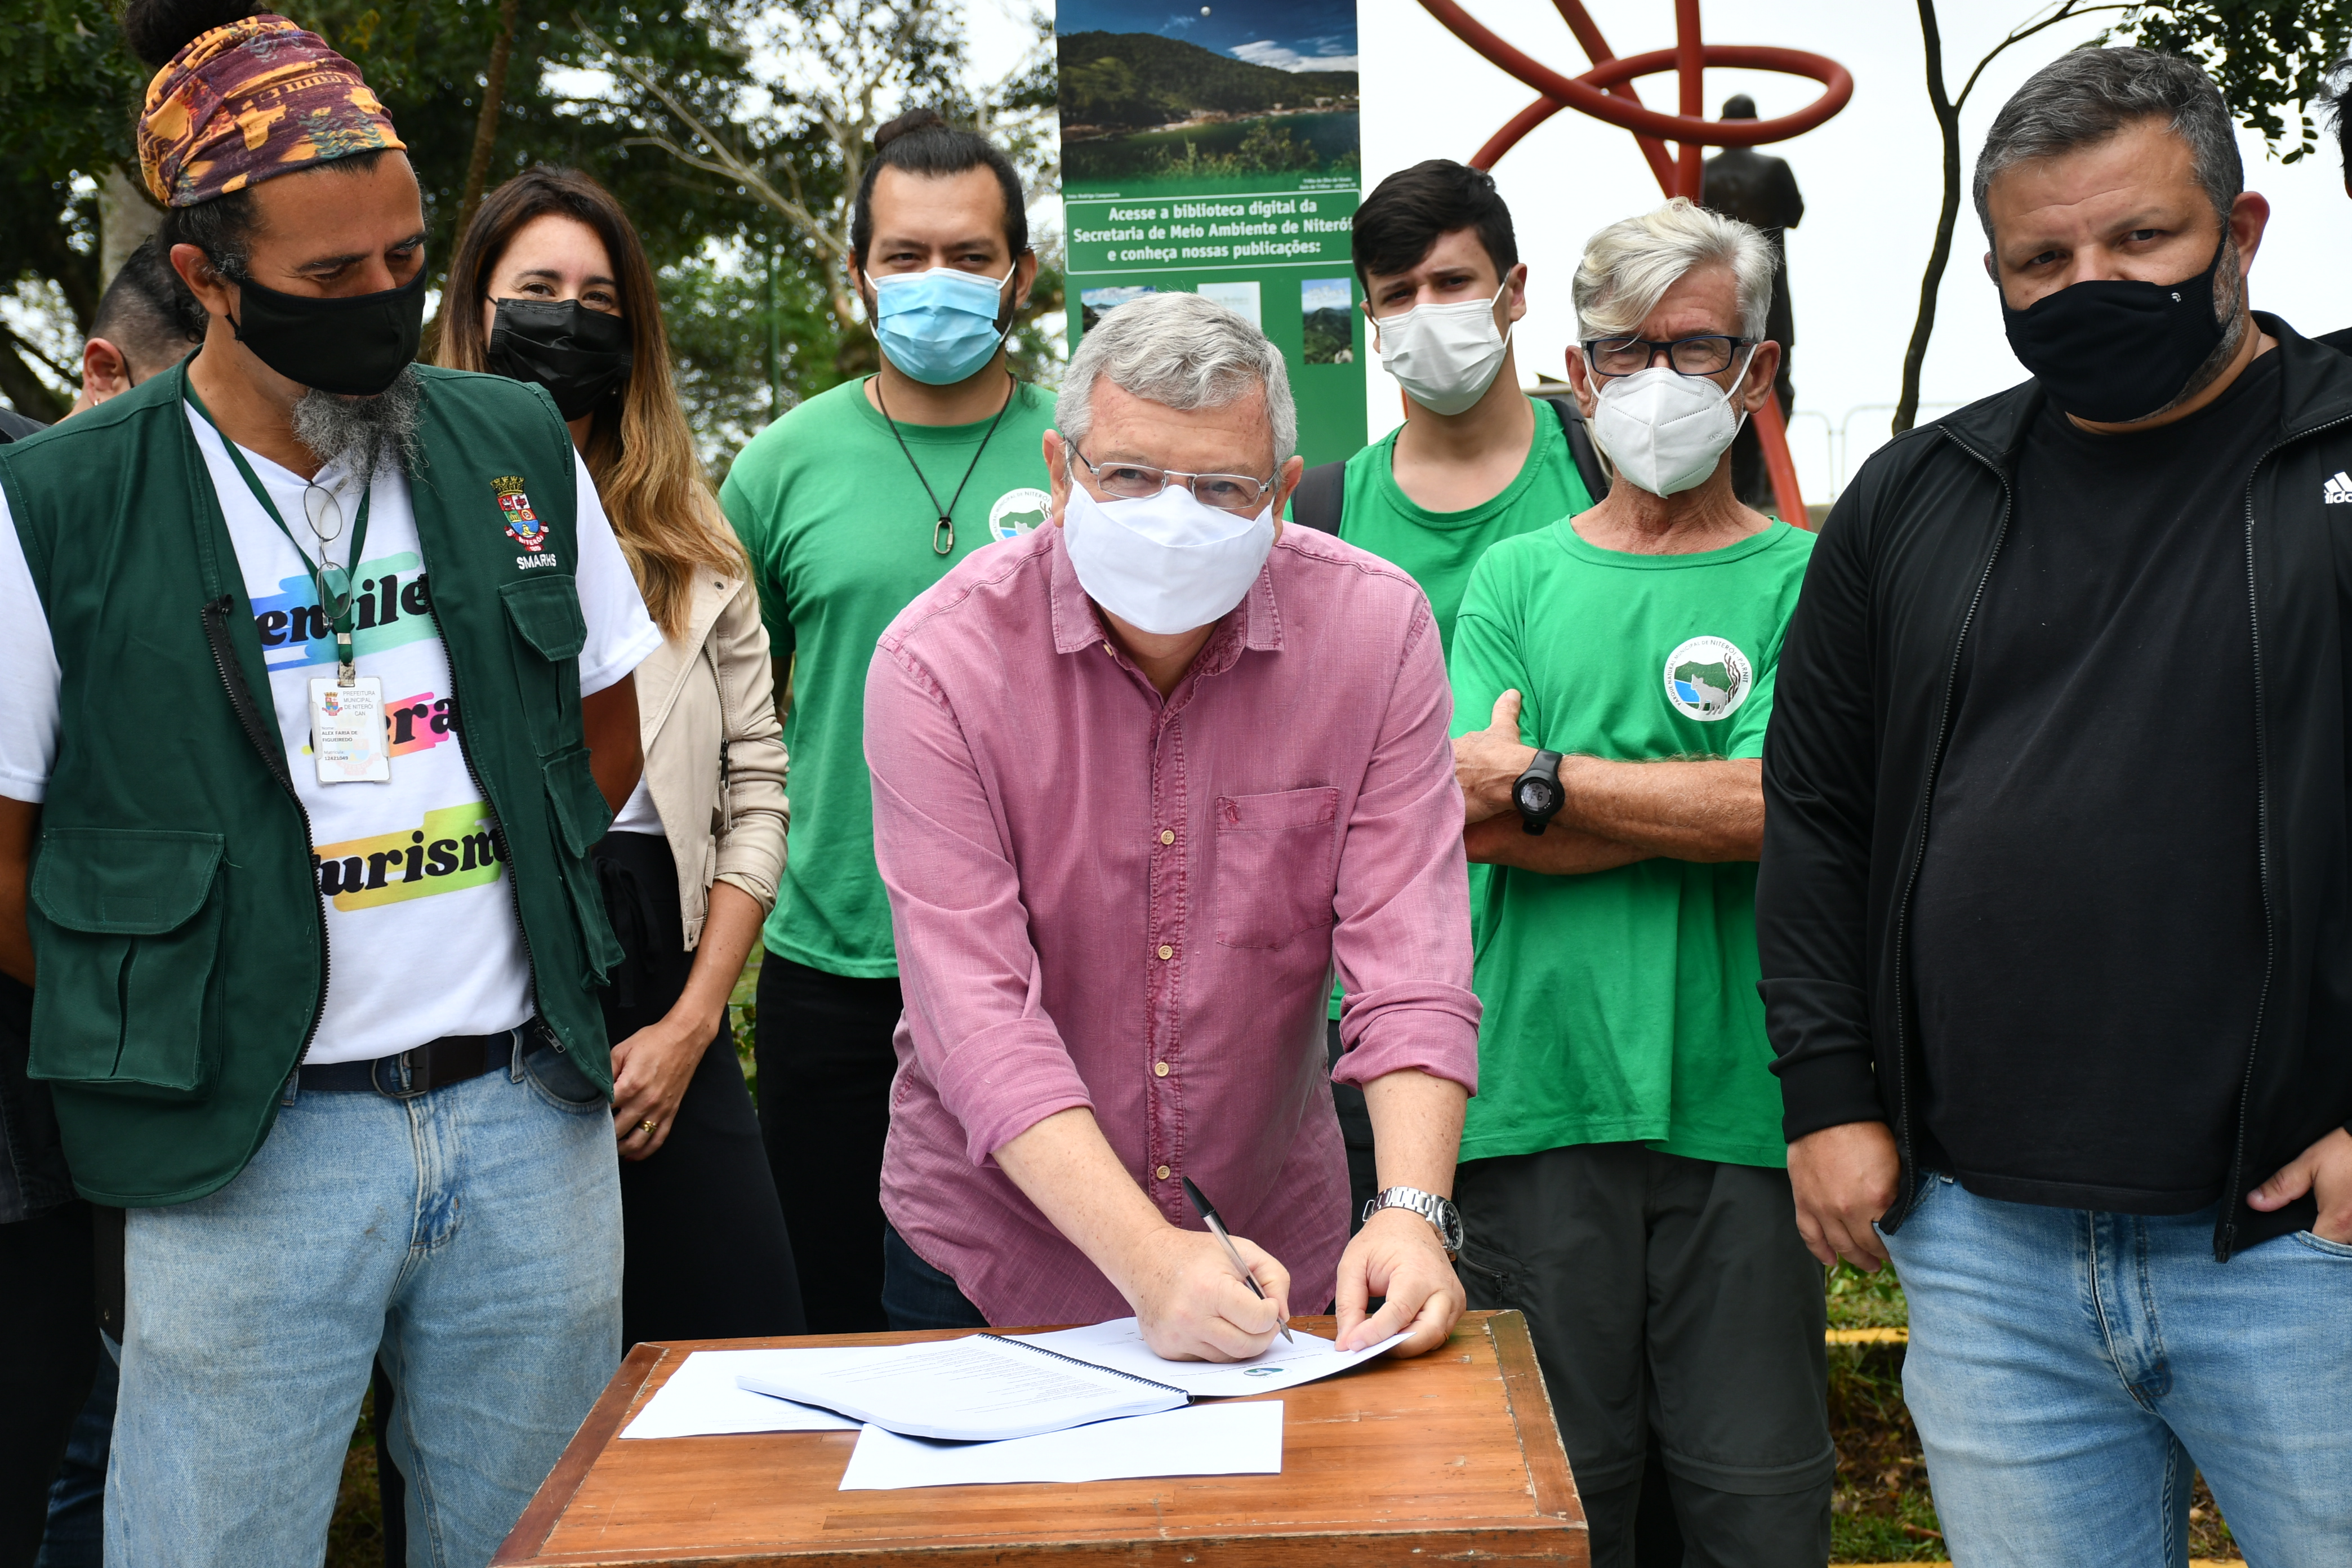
(1757, 188)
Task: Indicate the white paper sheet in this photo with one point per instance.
(1119, 1345)
(979, 1387)
(1242, 1439)
(701, 1399)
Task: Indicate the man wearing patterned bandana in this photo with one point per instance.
(301, 755)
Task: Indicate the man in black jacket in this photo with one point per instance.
(2055, 912)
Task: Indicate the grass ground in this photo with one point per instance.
(355, 1538)
(1881, 1510)
(743, 1014)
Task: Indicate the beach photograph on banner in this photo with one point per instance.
(1215, 150)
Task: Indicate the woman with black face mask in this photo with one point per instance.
(551, 285)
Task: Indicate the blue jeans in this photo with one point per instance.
(2067, 1369)
(75, 1535)
(474, 1232)
(916, 1295)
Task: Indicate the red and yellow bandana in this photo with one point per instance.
(249, 101)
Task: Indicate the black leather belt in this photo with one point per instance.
(452, 1058)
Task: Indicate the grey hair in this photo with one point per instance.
(1629, 266)
(1182, 351)
(2082, 98)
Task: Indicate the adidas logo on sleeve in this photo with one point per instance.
(2339, 488)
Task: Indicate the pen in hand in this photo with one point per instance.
(1208, 1212)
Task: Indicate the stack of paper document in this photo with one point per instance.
(988, 1387)
(1091, 1404)
(1205, 1440)
(977, 1389)
(702, 1399)
(1119, 1346)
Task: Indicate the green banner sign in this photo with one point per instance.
(1217, 154)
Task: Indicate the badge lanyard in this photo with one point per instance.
(325, 575)
(943, 536)
(349, 740)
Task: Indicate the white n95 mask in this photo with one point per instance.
(1164, 564)
(1665, 431)
(1444, 356)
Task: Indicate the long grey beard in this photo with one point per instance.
(377, 433)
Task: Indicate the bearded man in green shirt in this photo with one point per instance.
(1623, 1178)
(850, 506)
(1477, 460)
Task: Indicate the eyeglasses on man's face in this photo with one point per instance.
(1707, 354)
(1135, 481)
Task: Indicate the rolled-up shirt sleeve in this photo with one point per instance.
(971, 980)
(1402, 899)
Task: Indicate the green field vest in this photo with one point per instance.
(179, 943)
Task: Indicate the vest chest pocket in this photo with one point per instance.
(125, 935)
(545, 614)
(1274, 865)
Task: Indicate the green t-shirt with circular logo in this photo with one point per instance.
(840, 532)
(1621, 1007)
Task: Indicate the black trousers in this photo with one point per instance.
(1356, 1132)
(1679, 1321)
(48, 1321)
(917, 1296)
(708, 1253)
(826, 1064)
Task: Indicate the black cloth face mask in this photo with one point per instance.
(580, 356)
(2113, 350)
(356, 345)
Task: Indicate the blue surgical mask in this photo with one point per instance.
(940, 326)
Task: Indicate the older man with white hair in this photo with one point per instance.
(1623, 1178)
(1139, 779)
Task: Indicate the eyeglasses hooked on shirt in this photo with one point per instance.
(350, 741)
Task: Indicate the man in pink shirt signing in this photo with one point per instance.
(1139, 778)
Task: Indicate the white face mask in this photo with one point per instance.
(1444, 356)
(1164, 564)
(1664, 430)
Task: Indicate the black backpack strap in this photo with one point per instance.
(1316, 502)
(1581, 449)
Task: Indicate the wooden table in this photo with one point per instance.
(1399, 1464)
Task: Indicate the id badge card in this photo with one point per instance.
(347, 731)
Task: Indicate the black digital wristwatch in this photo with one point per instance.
(1538, 794)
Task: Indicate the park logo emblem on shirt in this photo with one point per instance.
(1707, 678)
(522, 524)
(1017, 512)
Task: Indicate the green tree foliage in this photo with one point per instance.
(425, 58)
(1131, 80)
(855, 64)
(759, 303)
(1266, 148)
(68, 92)
(2268, 55)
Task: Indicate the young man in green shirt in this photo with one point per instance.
(850, 506)
(1623, 1179)
(1477, 460)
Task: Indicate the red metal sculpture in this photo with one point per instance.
(1606, 92)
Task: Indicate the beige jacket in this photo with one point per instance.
(714, 753)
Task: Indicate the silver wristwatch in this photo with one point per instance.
(1439, 1212)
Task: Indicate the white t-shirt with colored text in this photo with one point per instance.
(421, 926)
